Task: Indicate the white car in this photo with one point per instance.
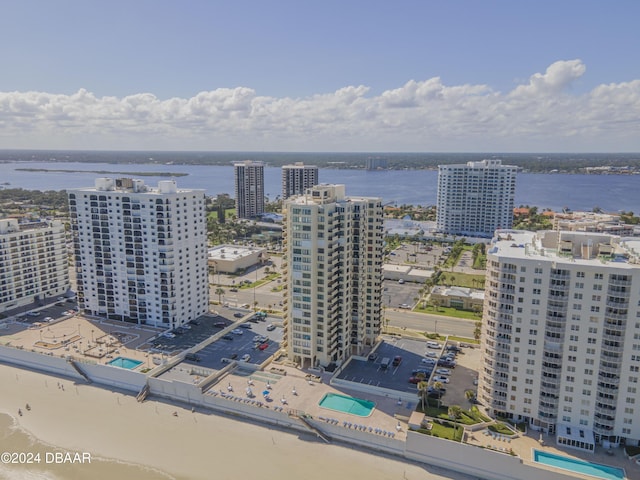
(433, 345)
(441, 379)
(48, 319)
(246, 357)
(428, 361)
(237, 331)
(169, 335)
(443, 371)
(431, 354)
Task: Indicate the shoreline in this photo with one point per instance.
(115, 427)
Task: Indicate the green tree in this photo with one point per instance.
(477, 331)
(423, 388)
(219, 291)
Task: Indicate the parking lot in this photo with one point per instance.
(396, 377)
(395, 294)
(233, 346)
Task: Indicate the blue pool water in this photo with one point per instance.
(597, 470)
(124, 362)
(345, 404)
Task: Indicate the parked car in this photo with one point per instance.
(234, 356)
(227, 337)
(246, 357)
(48, 319)
(424, 371)
(238, 314)
(33, 314)
(416, 380)
(169, 335)
(271, 327)
(237, 331)
(219, 324)
(263, 346)
(443, 371)
(372, 357)
(401, 281)
(433, 345)
(245, 325)
(431, 354)
(192, 357)
(405, 305)
(428, 361)
(397, 360)
(441, 379)
(233, 289)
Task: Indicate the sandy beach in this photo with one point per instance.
(191, 445)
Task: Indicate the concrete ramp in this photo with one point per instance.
(315, 430)
(79, 370)
(143, 393)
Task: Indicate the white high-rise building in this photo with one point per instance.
(561, 335)
(140, 252)
(249, 177)
(333, 274)
(475, 198)
(34, 263)
(297, 178)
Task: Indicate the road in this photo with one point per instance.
(430, 323)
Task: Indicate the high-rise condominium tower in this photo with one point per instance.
(333, 270)
(33, 262)
(475, 198)
(297, 178)
(140, 252)
(561, 335)
(249, 177)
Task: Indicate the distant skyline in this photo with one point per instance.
(249, 75)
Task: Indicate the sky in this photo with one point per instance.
(349, 75)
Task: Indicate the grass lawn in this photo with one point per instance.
(446, 431)
(461, 279)
(449, 312)
(501, 428)
(267, 279)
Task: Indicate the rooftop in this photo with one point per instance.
(587, 248)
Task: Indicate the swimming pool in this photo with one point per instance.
(597, 470)
(345, 404)
(124, 362)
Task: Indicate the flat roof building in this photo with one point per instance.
(297, 178)
(233, 258)
(249, 187)
(561, 335)
(140, 252)
(333, 271)
(476, 198)
(34, 263)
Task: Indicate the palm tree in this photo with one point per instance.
(219, 291)
(438, 386)
(454, 412)
(423, 388)
(477, 331)
(470, 395)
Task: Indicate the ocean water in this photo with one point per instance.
(611, 193)
(14, 439)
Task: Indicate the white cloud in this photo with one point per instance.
(542, 114)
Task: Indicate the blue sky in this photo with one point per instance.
(321, 76)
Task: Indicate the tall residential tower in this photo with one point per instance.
(475, 198)
(297, 178)
(140, 252)
(249, 176)
(333, 274)
(34, 264)
(561, 335)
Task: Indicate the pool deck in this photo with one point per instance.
(525, 444)
(386, 414)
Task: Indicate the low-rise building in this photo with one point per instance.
(462, 298)
(234, 258)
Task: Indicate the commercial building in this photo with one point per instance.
(34, 263)
(297, 178)
(476, 198)
(249, 177)
(561, 335)
(333, 273)
(140, 252)
(462, 298)
(233, 258)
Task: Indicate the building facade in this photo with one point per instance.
(476, 198)
(249, 177)
(297, 178)
(333, 275)
(561, 335)
(34, 263)
(140, 252)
